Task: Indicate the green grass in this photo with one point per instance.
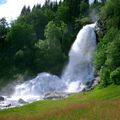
(97, 104)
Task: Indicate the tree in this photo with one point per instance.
(49, 52)
(59, 31)
(21, 35)
(113, 52)
(25, 11)
(39, 20)
(108, 53)
(3, 30)
(110, 14)
(20, 42)
(115, 76)
(63, 13)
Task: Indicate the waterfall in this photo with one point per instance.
(80, 69)
(77, 73)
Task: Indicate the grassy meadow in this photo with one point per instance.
(97, 104)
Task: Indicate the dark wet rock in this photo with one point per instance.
(88, 85)
(100, 28)
(96, 81)
(21, 101)
(4, 105)
(84, 89)
(8, 105)
(91, 84)
(54, 95)
(2, 98)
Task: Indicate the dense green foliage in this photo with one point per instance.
(50, 52)
(108, 53)
(39, 40)
(97, 104)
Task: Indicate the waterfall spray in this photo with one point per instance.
(77, 73)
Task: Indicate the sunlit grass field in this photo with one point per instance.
(97, 104)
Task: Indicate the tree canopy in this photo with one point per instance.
(108, 52)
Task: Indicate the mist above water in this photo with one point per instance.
(92, 1)
(77, 73)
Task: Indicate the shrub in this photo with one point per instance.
(115, 76)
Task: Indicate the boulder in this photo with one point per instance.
(8, 105)
(21, 101)
(4, 105)
(2, 98)
(91, 84)
(54, 95)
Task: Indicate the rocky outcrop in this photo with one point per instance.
(100, 29)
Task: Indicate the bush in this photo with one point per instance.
(104, 76)
(115, 76)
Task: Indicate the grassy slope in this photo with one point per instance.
(98, 104)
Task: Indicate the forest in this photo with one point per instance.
(40, 38)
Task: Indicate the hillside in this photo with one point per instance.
(97, 104)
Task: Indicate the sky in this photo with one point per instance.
(10, 9)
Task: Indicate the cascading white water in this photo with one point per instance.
(78, 71)
(92, 1)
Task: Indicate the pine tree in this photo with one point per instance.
(25, 11)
